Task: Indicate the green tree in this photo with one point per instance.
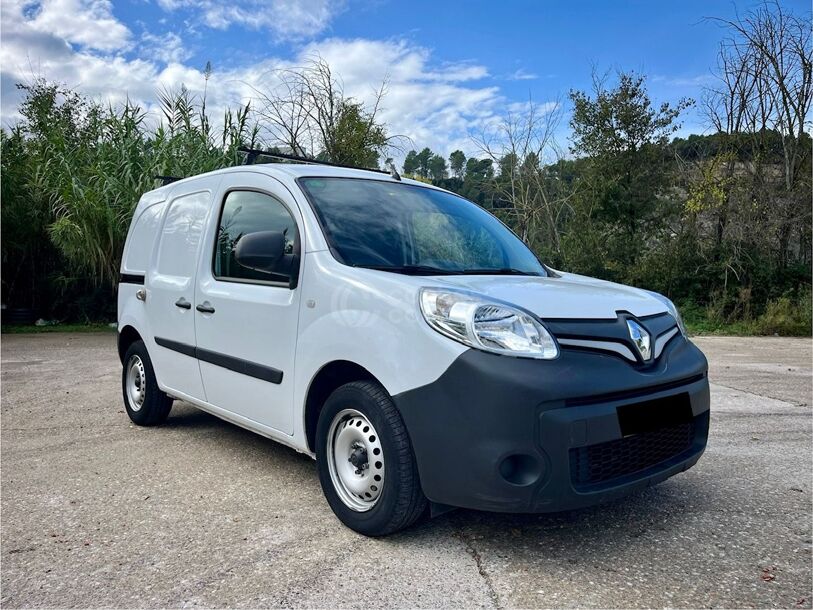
(355, 140)
(308, 113)
(28, 257)
(437, 167)
(73, 171)
(477, 185)
(457, 163)
(530, 164)
(509, 164)
(411, 163)
(624, 198)
(479, 169)
(423, 162)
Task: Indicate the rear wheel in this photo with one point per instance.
(146, 404)
(366, 465)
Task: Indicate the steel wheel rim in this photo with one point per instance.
(357, 481)
(136, 383)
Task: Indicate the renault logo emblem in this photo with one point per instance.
(640, 338)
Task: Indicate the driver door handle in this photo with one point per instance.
(183, 303)
(205, 307)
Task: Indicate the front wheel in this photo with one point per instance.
(366, 465)
(146, 404)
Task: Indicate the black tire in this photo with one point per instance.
(156, 404)
(401, 502)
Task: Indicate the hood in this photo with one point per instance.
(568, 296)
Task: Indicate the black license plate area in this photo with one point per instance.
(651, 415)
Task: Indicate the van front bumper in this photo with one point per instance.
(518, 435)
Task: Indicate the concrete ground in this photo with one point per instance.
(98, 512)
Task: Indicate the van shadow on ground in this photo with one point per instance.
(611, 526)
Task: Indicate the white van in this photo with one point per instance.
(406, 339)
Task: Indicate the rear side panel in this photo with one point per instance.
(171, 291)
(141, 241)
(142, 235)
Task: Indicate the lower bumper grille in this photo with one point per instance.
(611, 463)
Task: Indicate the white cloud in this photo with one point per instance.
(30, 51)
(285, 19)
(89, 23)
(431, 103)
(684, 81)
(522, 74)
(457, 72)
(167, 48)
(428, 104)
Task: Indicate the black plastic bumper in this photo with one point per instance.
(518, 435)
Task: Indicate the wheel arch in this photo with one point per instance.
(127, 336)
(331, 376)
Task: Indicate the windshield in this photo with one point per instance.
(416, 230)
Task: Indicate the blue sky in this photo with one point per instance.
(453, 68)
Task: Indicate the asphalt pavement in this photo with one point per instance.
(99, 512)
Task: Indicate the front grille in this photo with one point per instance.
(608, 464)
(630, 394)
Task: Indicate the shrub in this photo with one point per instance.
(788, 315)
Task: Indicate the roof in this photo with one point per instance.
(299, 170)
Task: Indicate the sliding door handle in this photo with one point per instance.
(183, 303)
(205, 307)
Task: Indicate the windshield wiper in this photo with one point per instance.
(503, 271)
(427, 270)
(411, 269)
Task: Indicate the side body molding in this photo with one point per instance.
(238, 365)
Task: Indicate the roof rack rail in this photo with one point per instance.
(253, 153)
(167, 179)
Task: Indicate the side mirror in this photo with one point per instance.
(261, 251)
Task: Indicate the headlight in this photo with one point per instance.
(672, 309)
(486, 325)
